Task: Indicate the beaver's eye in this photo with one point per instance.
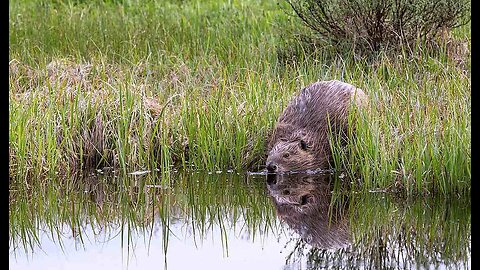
(286, 155)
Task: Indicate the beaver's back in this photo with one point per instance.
(310, 108)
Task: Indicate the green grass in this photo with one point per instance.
(81, 75)
(416, 133)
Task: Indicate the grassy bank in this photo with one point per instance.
(200, 84)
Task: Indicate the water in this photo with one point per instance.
(231, 221)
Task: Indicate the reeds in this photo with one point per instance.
(415, 133)
(198, 85)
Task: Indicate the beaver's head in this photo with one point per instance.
(291, 155)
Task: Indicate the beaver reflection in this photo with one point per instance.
(303, 202)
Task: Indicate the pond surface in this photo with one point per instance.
(229, 220)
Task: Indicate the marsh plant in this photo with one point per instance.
(199, 84)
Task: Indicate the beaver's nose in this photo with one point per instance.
(271, 167)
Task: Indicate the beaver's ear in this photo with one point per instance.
(303, 145)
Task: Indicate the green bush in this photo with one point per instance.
(374, 25)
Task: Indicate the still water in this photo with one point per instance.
(229, 220)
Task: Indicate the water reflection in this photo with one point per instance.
(369, 231)
(304, 203)
(231, 221)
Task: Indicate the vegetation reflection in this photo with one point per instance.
(321, 224)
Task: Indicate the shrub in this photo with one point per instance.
(374, 25)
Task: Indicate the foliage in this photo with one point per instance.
(374, 25)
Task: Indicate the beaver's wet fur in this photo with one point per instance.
(300, 139)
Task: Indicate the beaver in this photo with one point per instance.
(300, 139)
